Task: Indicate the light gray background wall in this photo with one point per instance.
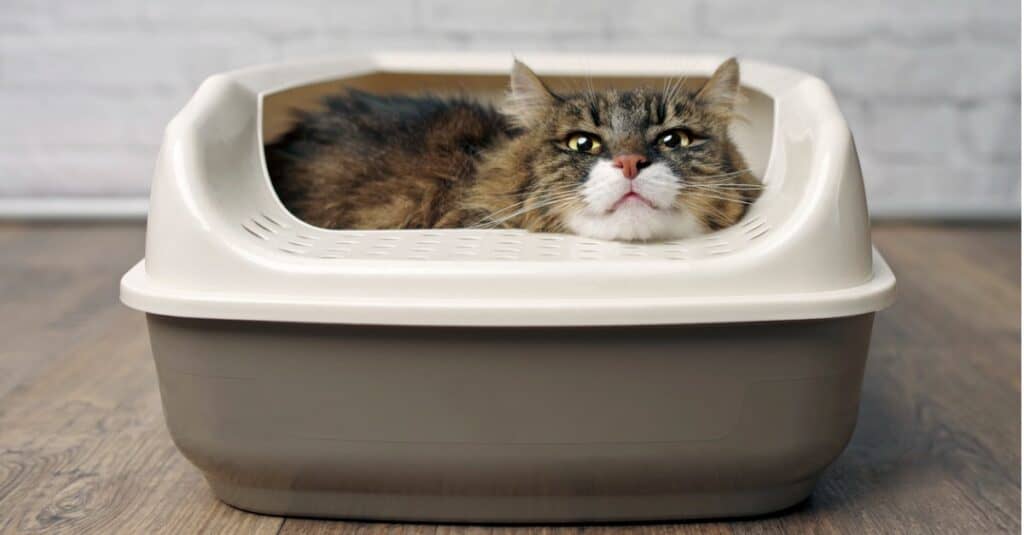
(931, 88)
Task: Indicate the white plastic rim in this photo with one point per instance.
(220, 245)
(874, 295)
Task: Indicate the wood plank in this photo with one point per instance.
(83, 447)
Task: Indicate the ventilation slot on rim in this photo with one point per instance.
(253, 232)
(264, 226)
(755, 228)
(273, 221)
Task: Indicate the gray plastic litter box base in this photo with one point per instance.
(512, 509)
(519, 425)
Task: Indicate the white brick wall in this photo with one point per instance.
(931, 87)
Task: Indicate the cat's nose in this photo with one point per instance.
(631, 164)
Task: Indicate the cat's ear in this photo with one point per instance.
(722, 89)
(529, 100)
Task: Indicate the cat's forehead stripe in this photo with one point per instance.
(659, 112)
(595, 112)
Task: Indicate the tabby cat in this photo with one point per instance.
(641, 164)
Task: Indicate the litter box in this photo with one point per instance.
(500, 375)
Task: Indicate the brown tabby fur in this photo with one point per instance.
(399, 162)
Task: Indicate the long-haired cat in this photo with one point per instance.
(619, 165)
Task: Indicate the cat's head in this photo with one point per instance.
(642, 164)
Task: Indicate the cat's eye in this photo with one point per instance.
(675, 138)
(583, 142)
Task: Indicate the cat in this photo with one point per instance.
(633, 165)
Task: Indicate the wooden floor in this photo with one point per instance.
(83, 447)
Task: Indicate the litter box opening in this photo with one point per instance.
(752, 133)
(792, 135)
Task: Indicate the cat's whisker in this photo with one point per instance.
(556, 189)
(592, 93)
(724, 186)
(708, 193)
(704, 206)
(712, 182)
(721, 182)
(701, 195)
(566, 191)
(498, 222)
(719, 175)
(557, 193)
(673, 85)
(518, 195)
(565, 197)
(725, 189)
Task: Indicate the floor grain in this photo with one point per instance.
(83, 448)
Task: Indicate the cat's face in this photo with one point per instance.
(634, 165)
